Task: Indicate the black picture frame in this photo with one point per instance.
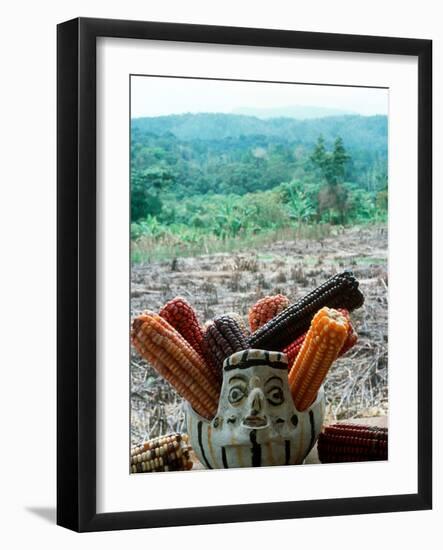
(76, 277)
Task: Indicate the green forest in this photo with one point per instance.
(209, 182)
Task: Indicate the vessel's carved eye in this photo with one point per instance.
(275, 395)
(236, 394)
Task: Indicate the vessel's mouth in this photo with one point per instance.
(255, 422)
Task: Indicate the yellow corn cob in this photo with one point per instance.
(323, 342)
(169, 353)
(165, 453)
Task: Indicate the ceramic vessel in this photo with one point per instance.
(256, 423)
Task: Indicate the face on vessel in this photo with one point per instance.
(255, 396)
(257, 423)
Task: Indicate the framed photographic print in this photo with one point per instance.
(244, 274)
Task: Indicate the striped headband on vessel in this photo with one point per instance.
(254, 357)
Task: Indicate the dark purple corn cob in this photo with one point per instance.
(339, 291)
(222, 338)
(352, 443)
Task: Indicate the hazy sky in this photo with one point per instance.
(154, 96)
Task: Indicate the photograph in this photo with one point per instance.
(244, 274)
(259, 273)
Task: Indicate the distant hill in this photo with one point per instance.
(357, 131)
(301, 112)
(227, 153)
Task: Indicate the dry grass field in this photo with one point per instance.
(357, 385)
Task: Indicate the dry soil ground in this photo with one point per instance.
(357, 384)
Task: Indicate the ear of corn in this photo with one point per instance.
(240, 322)
(174, 359)
(293, 349)
(165, 453)
(352, 443)
(351, 339)
(340, 291)
(323, 342)
(181, 315)
(222, 338)
(266, 309)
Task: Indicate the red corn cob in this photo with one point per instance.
(266, 309)
(352, 443)
(182, 316)
(293, 349)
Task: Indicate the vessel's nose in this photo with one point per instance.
(256, 402)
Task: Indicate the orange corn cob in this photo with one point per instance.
(351, 339)
(174, 359)
(204, 366)
(323, 342)
(266, 309)
(181, 315)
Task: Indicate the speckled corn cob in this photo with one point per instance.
(222, 338)
(323, 342)
(165, 453)
(181, 315)
(340, 291)
(352, 443)
(351, 339)
(266, 309)
(174, 359)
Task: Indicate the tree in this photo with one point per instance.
(145, 189)
(339, 160)
(299, 202)
(381, 201)
(333, 196)
(319, 157)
